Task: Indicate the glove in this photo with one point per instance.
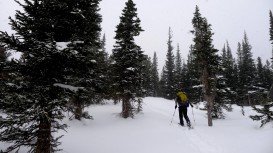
(175, 107)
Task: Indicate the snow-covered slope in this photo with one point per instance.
(151, 132)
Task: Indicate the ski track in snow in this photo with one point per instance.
(198, 141)
(203, 144)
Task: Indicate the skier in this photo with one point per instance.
(183, 103)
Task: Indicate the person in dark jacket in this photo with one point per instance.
(183, 103)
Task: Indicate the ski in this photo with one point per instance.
(189, 127)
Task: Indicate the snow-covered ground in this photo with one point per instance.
(151, 132)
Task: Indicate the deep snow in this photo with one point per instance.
(151, 132)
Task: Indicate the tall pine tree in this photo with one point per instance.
(192, 78)
(222, 98)
(128, 58)
(246, 73)
(169, 83)
(207, 58)
(147, 77)
(271, 32)
(39, 87)
(178, 78)
(230, 73)
(90, 56)
(155, 76)
(266, 114)
(271, 26)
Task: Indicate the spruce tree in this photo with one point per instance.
(207, 58)
(261, 85)
(162, 83)
(247, 72)
(38, 88)
(271, 32)
(260, 73)
(3, 66)
(105, 66)
(169, 86)
(268, 75)
(32, 103)
(226, 77)
(271, 26)
(147, 83)
(230, 73)
(103, 48)
(240, 86)
(265, 114)
(3, 61)
(192, 78)
(222, 99)
(178, 79)
(90, 56)
(155, 76)
(128, 58)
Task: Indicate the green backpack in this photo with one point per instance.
(183, 97)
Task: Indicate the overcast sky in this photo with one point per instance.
(229, 20)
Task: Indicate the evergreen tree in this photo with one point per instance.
(103, 48)
(155, 76)
(147, 77)
(3, 61)
(178, 79)
(231, 74)
(272, 60)
(105, 87)
(240, 86)
(37, 89)
(90, 57)
(162, 83)
(261, 84)
(226, 77)
(235, 85)
(268, 75)
(31, 101)
(265, 114)
(247, 72)
(3, 66)
(271, 26)
(192, 82)
(207, 58)
(169, 70)
(260, 73)
(222, 99)
(271, 33)
(128, 58)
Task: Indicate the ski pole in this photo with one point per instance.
(173, 116)
(193, 115)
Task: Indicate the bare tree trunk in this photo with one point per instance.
(43, 144)
(78, 106)
(126, 107)
(210, 107)
(78, 110)
(209, 94)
